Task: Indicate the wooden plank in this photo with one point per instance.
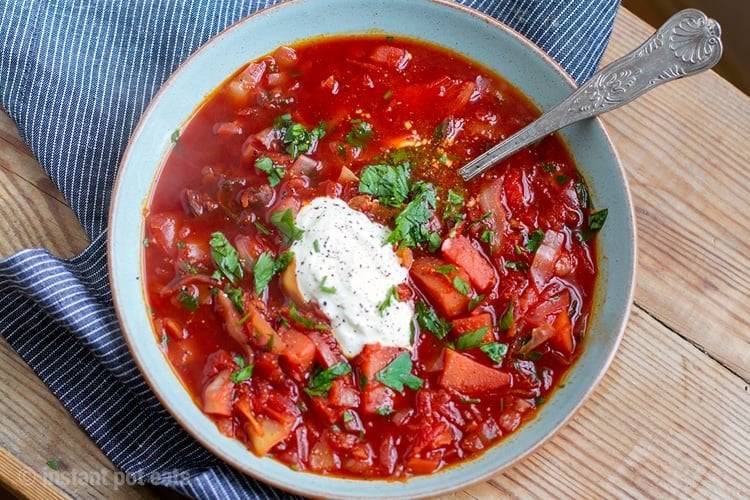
(36, 428)
(666, 422)
(685, 148)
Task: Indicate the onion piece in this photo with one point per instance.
(543, 265)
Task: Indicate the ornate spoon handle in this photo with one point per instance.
(688, 43)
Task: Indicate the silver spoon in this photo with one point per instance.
(688, 43)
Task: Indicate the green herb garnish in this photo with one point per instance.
(507, 320)
(275, 172)
(494, 350)
(535, 239)
(430, 321)
(188, 300)
(360, 134)
(387, 183)
(321, 382)
(488, 236)
(461, 285)
(244, 372)
(391, 294)
(398, 374)
(324, 288)
(295, 137)
(471, 339)
(411, 224)
(266, 267)
(284, 222)
(225, 257)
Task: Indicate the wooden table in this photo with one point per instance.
(672, 415)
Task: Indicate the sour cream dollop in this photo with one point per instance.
(345, 265)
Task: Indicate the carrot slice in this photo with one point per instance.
(462, 253)
(465, 375)
(440, 288)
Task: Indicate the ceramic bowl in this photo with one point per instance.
(445, 23)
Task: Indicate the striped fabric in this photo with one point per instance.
(75, 76)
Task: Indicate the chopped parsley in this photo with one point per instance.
(398, 374)
(284, 222)
(53, 464)
(535, 239)
(266, 267)
(507, 320)
(235, 295)
(321, 382)
(446, 269)
(494, 350)
(244, 372)
(225, 257)
(263, 229)
(324, 288)
(461, 285)
(348, 416)
(515, 266)
(295, 136)
(561, 179)
(411, 224)
(391, 294)
(595, 223)
(360, 134)
(475, 301)
(175, 136)
(389, 184)
(388, 94)
(488, 236)
(430, 321)
(275, 172)
(471, 339)
(549, 167)
(295, 316)
(316, 246)
(188, 300)
(454, 204)
(583, 193)
(384, 411)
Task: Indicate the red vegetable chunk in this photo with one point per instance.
(440, 288)
(469, 377)
(461, 252)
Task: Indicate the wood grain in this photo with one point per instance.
(667, 420)
(686, 150)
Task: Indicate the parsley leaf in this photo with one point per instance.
(398, 373)
(266, 267)
(535, 239)
(188, 300)
(360, 134)
(494, 350)
(461, 285)
(384, 411)
(488, 236)
(507, 320)
(348, 416)
(446, 269)
(316, 246)
(453, 206)
(244, 372)
(53, 464)
(430, 321)
(583, 193)
(263, 229)
(225, 257)
(411, 224)
(295, 137)
(595, 223)
(284, 222)
(388, 183)
(235, 295)
(471, 339)
(392, 293)
(475, 301)
(324, 288)
(295, 316)
(321, 382)
(515, 266)
(275, 172)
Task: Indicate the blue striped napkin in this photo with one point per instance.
(76, 76)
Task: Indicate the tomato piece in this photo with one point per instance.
(563, 337)
(465, 375)
(322, 407)
(371, 360)
(375, 357)
(471, 323)
(217, 394)
(417, 465)
(462, 253)
(439, 288)
(299, 352)
(343, 394)
(394, 58)
(163, 229)
(327, 351)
